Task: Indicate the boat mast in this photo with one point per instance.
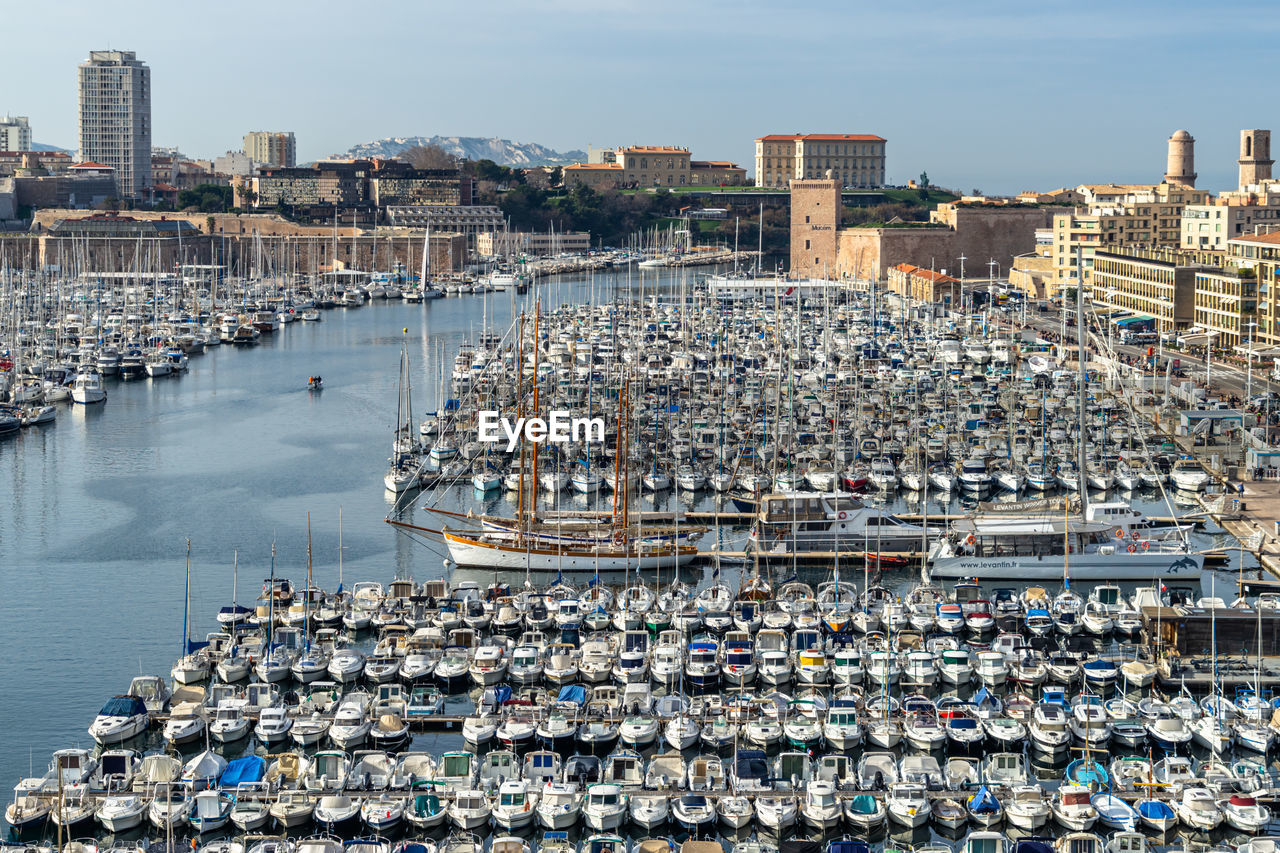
(520, 415)
(533, 477)
(1080, 393)
(186, 609)
(306, 598)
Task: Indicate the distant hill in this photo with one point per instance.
(40, 146)
(504, 152)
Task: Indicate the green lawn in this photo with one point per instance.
(913, 196)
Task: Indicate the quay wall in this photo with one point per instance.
(241, 254)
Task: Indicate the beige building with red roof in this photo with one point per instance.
(852, 159)
(598, 176)
(921, 285)
(651, 166)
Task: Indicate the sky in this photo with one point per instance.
(996, 96)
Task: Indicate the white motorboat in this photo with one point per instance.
(122, 718)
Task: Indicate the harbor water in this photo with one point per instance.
(236, 456)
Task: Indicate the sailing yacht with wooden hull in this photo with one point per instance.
(470, 550)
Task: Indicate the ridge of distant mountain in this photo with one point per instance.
(41, 146)
(504, 152)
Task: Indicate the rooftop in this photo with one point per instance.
(930, 275)
(579, 166)
(821, 137)
(660, 149)
(1270, 239)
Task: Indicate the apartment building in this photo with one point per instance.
(271, 148)
(115, 117)
(1259, 255)
(1232, 214)
(1179, 289)
(853, 159)
(15, 133)
(1114, 215)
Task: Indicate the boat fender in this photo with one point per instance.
(1132, 547)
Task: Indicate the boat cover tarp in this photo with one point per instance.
(501, 693)
(425, 805)
(1155, 810)
(752, 764)
(1032, 845)
(123, 706)
(863, 804)
(575, 693)
(799, 845)
(848, 846)
(984, 802)
(251, 768)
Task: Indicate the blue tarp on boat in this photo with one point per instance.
(1155, 810)
(984, 802)
(251, 768)
(123, 706)
(848, 846)
(1032, 845)
(575, 693)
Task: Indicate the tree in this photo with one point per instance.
(206, 198)
(557, 176)
(428, 157)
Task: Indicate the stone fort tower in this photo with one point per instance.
(1255, 157)
(1182, 159)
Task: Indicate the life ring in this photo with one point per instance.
(970, 539)
(1119, 533)
(1132, 547)
(843, 515)
(618, 538)
(1146, 546)
(1134, 535)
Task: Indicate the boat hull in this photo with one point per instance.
(1084, 567)
(466, 551)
